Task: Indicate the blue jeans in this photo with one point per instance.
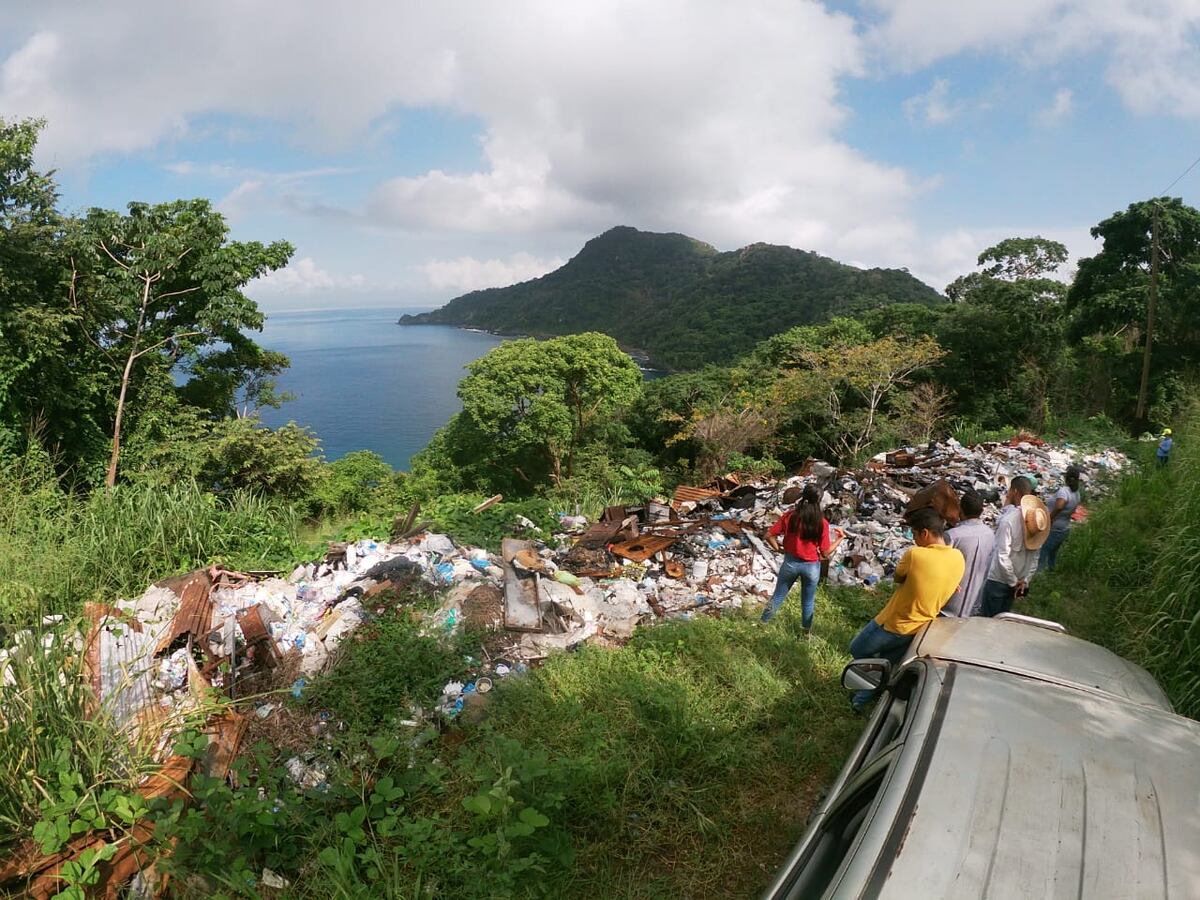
(809, 574)
(1049, 555)
(997, 598)
(876, 642)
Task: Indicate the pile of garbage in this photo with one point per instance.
(700, 553)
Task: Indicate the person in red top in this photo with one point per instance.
(805, 536)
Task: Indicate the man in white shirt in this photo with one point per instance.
(1013, 560)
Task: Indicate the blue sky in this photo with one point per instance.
(415, 151)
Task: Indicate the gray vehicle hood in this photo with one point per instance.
(1036, 790)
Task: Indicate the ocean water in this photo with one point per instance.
(362, 382)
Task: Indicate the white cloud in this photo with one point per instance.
(955, 252)
(720, 120)
(933, 106)
(469, 274)
(1060, 107)
(694, 115)
(300, 277)
(1151, 50)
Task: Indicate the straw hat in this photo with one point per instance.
(1037, 521)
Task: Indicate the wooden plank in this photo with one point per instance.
(642, 548)
(522, 610)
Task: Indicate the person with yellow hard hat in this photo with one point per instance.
(1164, 447)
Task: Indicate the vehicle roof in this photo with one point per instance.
(1016, 646)
(1039, 790)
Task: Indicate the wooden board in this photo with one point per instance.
(642, 548)
(522, 611)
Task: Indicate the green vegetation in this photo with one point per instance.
(1129, 578)
(679, 300)
(54, 749)
(59, 549)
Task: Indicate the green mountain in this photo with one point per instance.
(677, 300)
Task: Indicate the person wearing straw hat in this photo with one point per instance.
(1021, 531)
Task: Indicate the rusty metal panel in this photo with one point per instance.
(686, 494)
(195, 609)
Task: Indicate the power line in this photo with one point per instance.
(1195, 163)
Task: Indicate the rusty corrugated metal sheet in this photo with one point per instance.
(687, 494)
(195, 609)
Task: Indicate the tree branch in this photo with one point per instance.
(104, 247)
(167, 340)
(179, 293)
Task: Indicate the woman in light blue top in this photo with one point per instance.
(1062, 506)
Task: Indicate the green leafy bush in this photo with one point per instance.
(452, 514)
(358, 482)
(386, 669)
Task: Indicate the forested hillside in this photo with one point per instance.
(679, 300)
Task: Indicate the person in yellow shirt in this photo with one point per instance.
(926, 577)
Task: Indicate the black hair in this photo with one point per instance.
(805, 519)
(1072, 478)
(971, 504)
(1023, 485)
(926, 519)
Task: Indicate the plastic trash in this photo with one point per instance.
(298, 687)
(562, 576)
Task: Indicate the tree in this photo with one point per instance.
(923, 409)
(1108, 298)
(1006, 320)
(162, 282)
(533, 401)
(47, 381)
(867, 373)
(1022, 259)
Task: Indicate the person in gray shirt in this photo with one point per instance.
(1062, 506)
(975, 541)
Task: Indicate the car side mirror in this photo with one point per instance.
(866, 674)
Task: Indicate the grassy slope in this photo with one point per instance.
(696, 751)
(1129, 579)
(683, 764)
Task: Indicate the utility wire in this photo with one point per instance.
(1195, 163)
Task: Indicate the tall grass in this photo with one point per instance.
(58, 550)
(1129, 578)
(55, 744)
(1170, 628)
